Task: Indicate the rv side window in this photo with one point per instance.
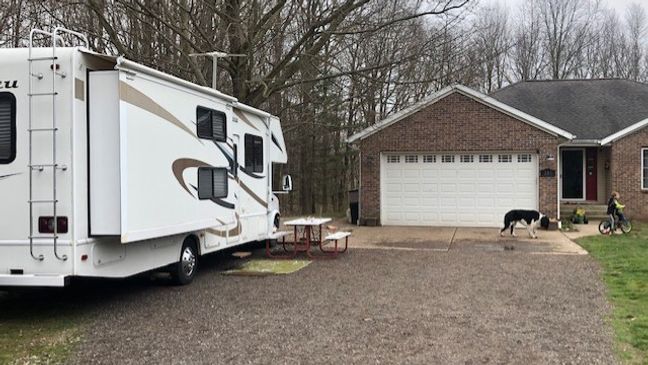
(212, 182)
(253, 153)
(7, 128)
(211, 124)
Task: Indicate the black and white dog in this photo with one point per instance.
(530, 218)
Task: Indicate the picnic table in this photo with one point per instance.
(307, 232)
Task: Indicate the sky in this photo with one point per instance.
(618, 5)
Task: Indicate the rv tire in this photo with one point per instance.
(185, 269)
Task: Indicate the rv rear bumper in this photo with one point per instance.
(33, 280)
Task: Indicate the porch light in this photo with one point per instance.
(550, 157)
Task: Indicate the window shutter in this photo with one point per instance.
(204, 183)
(220, 183)
(258, 154)
(203, 122)
(218, 126)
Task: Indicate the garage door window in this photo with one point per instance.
(485, 158)
(411, 159)
(429, 158)
(447, 158)
(393, 159)
(467, 158)
(505, 158)
(524, 158)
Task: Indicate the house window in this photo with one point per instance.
(485, 158)
(504, 158)
(7, 128)
(524, 158)
(211, 124)
(253, 153)
(644, 168)
(411, 159)
(429, 158)
(212, 182)
(466, 158)
(393, 159)
(447, 158)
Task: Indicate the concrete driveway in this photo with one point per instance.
(459, 238)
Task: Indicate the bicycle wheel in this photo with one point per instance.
(626, 226)
(605, 227)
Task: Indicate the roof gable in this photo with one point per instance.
(473, 94)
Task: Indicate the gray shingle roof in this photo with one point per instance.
(590, 109)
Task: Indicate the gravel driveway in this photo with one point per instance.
(369, 306)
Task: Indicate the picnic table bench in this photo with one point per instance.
(307, 232)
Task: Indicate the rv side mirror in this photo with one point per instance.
(287, 183)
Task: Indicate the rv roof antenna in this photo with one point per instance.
(215, 55)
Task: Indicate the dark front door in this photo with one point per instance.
(591, 187)
(572, 174)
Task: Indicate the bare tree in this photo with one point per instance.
(636, 25)
(567, 26)
(527, 57)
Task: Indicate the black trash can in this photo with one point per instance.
(354, 199)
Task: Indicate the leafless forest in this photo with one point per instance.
(329, 68)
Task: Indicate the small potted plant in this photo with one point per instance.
(579, 216)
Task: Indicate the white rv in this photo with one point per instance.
(109, 168)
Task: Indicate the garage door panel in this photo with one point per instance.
(410, 201)
(465, 203)
(456, 193)
(467, 174)
(393, 173)
(427, 202)
(429, 173)
(409, 187)
(429, 217)
(429, 188)
(465, 188)
(483, 187)
(447, 188)
(446, 172)
(393, 187)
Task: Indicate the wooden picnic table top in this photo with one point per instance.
(307, 221)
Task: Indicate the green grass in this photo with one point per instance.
(624, 260)
(34, 334)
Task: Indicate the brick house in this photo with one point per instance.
(462, 158)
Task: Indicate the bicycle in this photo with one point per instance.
(605, 227)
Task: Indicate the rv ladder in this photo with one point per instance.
(56, 38)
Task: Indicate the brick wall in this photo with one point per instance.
(625, 173)
(454, 124)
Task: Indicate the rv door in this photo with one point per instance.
(235, 187)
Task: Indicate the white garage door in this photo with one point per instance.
(473, 190)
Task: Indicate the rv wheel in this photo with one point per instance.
(186, 268)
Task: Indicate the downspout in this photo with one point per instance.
(558, 178)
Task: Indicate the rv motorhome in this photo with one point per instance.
(109, 168)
